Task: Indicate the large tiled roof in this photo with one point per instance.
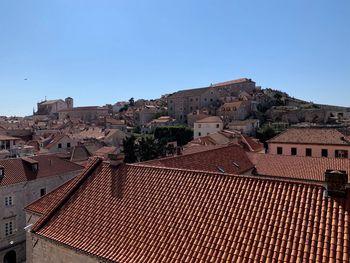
(311, 136)
(189, 93)
(148, 214)
(8, 138)
(87, 108)
(226, 137)
(228, 159)
(55, 140)
(298, 167)
(230, 82)
(210, 119)
(19, 170)
(49, 102)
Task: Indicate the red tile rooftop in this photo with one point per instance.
(211, 119)
(324, 136)
(18, 170)
(229, 159)
(297, 167)
(136, 213)
(8, 138)
(230, 82)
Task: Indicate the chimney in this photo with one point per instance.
(336, 181)
(115, 159)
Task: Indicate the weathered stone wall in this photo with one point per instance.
(45, 251)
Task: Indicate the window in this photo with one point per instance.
(217, 125)
(308, 152)
(191, 99)
(324, 153)
(191, 108)
(59, 145)
(171, 101)
(196, 99)
(8, 201)
(68, 144)
(199, 134)
(42, 192)
(205, 99)
(341, 154)
(8, 228)
(279, 150)
(199, 125)
(293, 151)
(2, 172)
(211, 99)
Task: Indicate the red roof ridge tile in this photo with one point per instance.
(79, 180)
(258, 177)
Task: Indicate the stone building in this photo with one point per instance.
(152, 213)
(236, 110)
(311, 142)
(184, 102)
(22, 181)
(86, 114)
(207, 126)
(51, 107)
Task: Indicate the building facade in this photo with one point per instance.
(206, 126)
(311, 142)
(184, 102)
(22, 181)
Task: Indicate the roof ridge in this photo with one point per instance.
(244, 176)
(194, 153)
(80, 180)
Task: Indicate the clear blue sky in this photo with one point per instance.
(102, 51)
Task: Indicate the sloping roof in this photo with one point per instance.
(298, 167)
(236, 104)
(55, 140)
(230, 82)
(48, 102)
(18, 170)
(323, 136)
(79, 153)
(8, 138)
(210, 119)
(148, 214)
(87, 108)
(105, 151)
(189, 93)
(229, 159)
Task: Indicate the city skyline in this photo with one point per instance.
(106, 51)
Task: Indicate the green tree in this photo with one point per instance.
(181, 134)
(131, 101)
(266, 133)
(148, 149)
(130, 149)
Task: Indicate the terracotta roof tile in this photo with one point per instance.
(147, 214)
(230, 82)
(228, 159)
(311, 136)
(298, 167)
(18, 170)
(210, 119)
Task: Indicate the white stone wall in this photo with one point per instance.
(204, 129)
